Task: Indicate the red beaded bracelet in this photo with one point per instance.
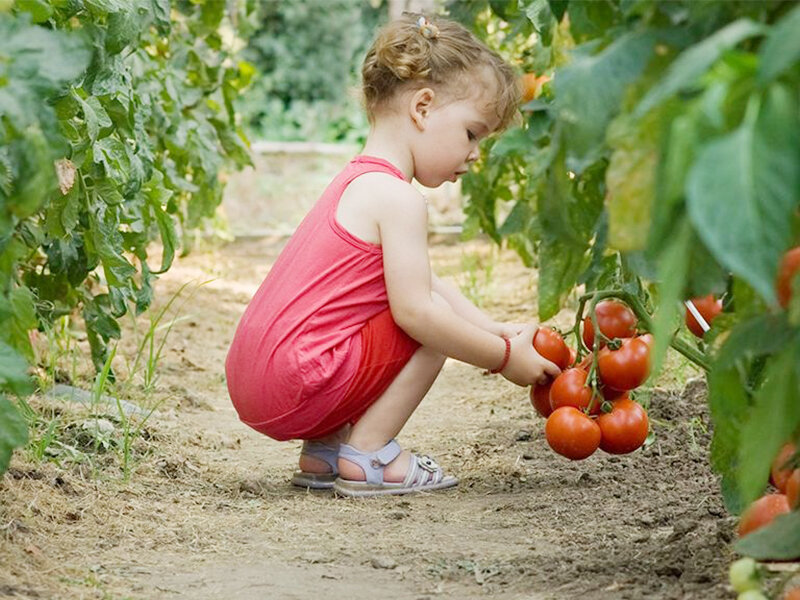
(506, 356)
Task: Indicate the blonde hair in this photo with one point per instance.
(416, 51)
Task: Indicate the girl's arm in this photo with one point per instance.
(466, 309)
(428, 316)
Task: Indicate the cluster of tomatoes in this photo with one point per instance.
(588, 405)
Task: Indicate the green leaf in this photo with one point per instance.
(754, 172)
(40, 11)
(761, 335)
(13, 371)
(773, 418)
(560, 265)
(540, 15)
(94, 114)
(673, 266)
(781, 49)
(729, 402)
(780, 540)
(13, 431)
(589, 91)
(696, 60)
(630, 181)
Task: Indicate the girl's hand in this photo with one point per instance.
(508, 330)
(525, 365)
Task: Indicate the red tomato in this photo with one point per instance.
(762, 512)
(628, 367)
(549, 343)
(571, 433)
(790, 263)
(779, 472)
(708, 307)
(792, 594)
(793, 488)
(611, 394)
(570, 389)
(540, 398)
(624, 429)
(573, 356)
(614, 319)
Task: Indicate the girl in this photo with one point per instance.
(350, 328)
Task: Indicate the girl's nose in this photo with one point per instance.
(474, 154)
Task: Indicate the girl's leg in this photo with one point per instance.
(310, 464)
(384, 419)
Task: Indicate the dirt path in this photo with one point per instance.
(209, 513)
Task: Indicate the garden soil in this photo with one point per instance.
(208, 511)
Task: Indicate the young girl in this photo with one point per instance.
(350, 328)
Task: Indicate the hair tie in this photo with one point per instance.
(427, 29)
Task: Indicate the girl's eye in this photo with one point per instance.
(471, 136)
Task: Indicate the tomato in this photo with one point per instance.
(762, 512)
(793, 488)
(790, 263)
(549, 343)
(532, 86)
(708, 307)
(540, 398)
(614, 319)
(611, 394)
(780, 472)
(792, 594)
(573, 356)
(571, 433)
(628, 367)
(624, 429)
(570, 389)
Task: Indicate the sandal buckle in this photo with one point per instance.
(427, 463)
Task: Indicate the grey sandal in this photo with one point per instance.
(423, 474)
(318, 481)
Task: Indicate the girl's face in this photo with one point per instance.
(448, 141)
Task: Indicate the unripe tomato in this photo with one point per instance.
(570, 389)
(779, 472)
(743, 575)
(614, 319)
(624, 429)
(790, 263)
(571, 433)
(793, 489)
(762, 512)
(540, 398)
(626, 368)
(549, 343)
(708, 307)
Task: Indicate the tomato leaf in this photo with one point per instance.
(589, 90)
(781, 49)
(773, 418)
(696, 60)
(755, 173)
(728, 401)
(13, 431)
(780, 540)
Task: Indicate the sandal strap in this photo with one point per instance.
(372, 463)
(423, 470)
(322, 452)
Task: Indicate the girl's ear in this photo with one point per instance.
(420, 106)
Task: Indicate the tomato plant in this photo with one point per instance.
(614, 319)
(708, 307)
(549, 343)
(571, 433)
(625, 428)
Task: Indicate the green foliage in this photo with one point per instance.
(308, 55)
(663, 155)
(116, 119)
